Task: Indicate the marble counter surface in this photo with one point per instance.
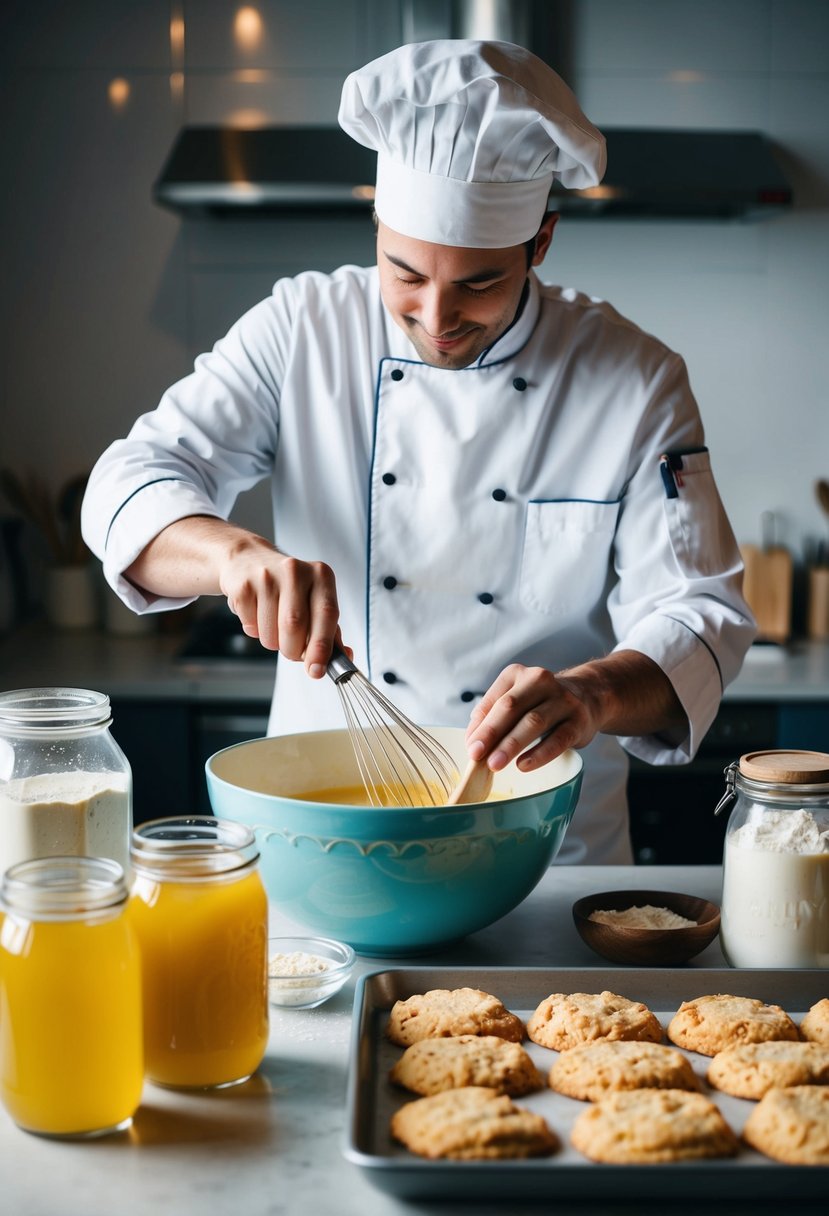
(273, 1146)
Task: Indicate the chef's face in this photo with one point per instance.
(453, 303)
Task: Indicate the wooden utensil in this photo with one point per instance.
(474, 786)
(767, 584)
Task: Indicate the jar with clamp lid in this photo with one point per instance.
(65, 784)
(775, 899)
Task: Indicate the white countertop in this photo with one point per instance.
(145, 667)
(273, 1145)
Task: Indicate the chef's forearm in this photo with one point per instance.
(187, 557)
(628, 694)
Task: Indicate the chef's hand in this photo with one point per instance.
(532, 715)
(289, 605)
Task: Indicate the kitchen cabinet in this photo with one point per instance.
(171, 711)
(168, 743)
(672, 806)
(156, 738)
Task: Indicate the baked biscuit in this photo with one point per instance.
(475, 1123)
(434, 1065)
(592, 1071)
(710, 1023)
(645, 1126)
(791, 1125)
(564, 1020)
(815, 1025)
(748, 1070)
(445, 1012)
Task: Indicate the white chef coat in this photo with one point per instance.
(519, 509)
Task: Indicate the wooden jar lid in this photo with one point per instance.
(786, 767)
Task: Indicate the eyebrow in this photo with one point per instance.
(482, 276)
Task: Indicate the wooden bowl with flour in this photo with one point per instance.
(660, 940)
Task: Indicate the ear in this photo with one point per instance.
(544, 237)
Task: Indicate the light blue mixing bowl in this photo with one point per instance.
(390, 881)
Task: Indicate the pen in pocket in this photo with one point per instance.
(670, 468)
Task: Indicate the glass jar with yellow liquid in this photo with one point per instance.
(201, 915)
(71, 1052)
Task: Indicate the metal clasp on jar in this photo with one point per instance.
(730, 795)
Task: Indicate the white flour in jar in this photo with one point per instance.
(775, 904)
(59, 814)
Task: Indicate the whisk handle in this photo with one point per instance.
(339, 665)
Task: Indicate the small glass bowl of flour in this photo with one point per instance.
(305, 971)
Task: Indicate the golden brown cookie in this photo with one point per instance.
(748, 1070)
(710, 1023)
(645, 1126)
(791, 1125)
(566, 1020)
(592, 1071)
(815, 1025)
(445, 1012)
(474, 1123)
(434, 1065)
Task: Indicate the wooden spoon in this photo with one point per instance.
(474, 785)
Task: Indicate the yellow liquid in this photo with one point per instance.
(204, 952)
(355, 795)
(391, 795)
(71, 1060)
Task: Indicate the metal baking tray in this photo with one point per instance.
(371, 1098)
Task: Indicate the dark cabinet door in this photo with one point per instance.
(672, 820)
(156, 737)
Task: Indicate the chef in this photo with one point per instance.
(495, 492)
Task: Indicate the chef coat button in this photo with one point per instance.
(486, 597)
(390, 582)
(519, 383)
(389, 677)
(397, 374)
(469, 696)
(389, 479)
(499, 495)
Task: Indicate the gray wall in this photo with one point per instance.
(107, 299)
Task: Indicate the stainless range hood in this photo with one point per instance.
(651, 173)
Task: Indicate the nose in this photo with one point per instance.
(439, 312)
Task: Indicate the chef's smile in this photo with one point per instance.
(452, 303)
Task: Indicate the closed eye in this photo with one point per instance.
(476, 289)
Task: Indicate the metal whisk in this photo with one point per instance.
(399, 762)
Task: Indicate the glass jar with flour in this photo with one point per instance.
(65, 784)
(775, 900)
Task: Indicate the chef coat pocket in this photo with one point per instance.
(701, 539)
(566, 555)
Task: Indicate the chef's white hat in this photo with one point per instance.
(470, 137)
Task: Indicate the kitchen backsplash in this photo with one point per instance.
(113, 297)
